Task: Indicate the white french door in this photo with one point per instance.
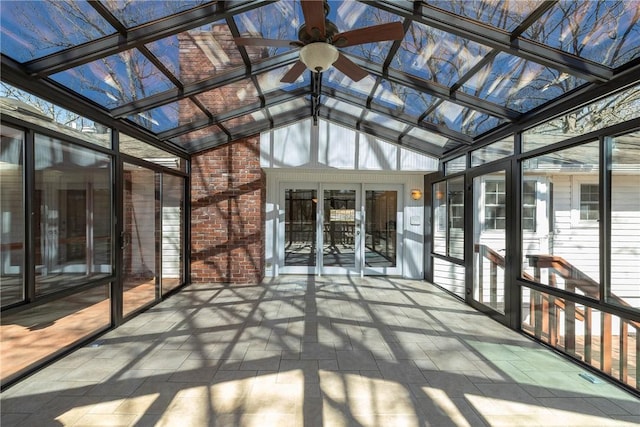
(343, 229)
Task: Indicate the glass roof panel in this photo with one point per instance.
(462, 119)
(334, 79)
(270, 81)
(229, 97)
(430, 137)
(352, 15)
(343, 107)
(436, 55)
(115, 80)
(288, 107)
(199, 137)
(169, 116)
(279, 20)
(607, 32)
(385, 121)
(403, 99)
(134, 13)
(198, 54)
(519, 84)
(506, 15)
(33, 29)
(236, 124)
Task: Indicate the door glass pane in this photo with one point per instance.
(455, 223)
(300, 227)
(339, 245)
(140, 207)
(380, 228)
(172, 231)
(72, 210)
(489, 231)
(12, 216)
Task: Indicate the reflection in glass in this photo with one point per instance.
(72, 215)
(172, 232)
(489, 239)
(496, 151)
(12, 215)
(439, 206)
(609, 111)
(455, 165)
(32, 336)
(115, 80)
(403, 99)
(462, 119)
(33, 29)
(602, 31)
(136, 148)
(261, 22)
(519, 84)
(450, 276)
(200, 53)
(139, 225)
(230, 97)
(435, 55)
(17, 103)
(455, 217)
(134, 13)
(506, 15)
(168, 116)
(339, 225)
(380, 228)
(300, 227)
(561, 248)
(625, 217)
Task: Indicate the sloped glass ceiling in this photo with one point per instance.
(463, 72)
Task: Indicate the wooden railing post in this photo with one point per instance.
(588, 335)
(493, 281)
(553, 321)
(624, 351)
(482, 252)
(570, 322)
(605, 342)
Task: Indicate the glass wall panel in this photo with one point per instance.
(609, 111)
(339, 243)
(496, 151)
(458, 164)
(448, 217)
(380, 228)
(603, 340)
(450, 276)
(172, 232)
(72, 215)
(31, 336)
(560, 220)
(12, 215)
(139, 253)
(30, 108)
(439, 204)
(625, 220)
(136, 148)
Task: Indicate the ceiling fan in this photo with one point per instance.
(319, 40)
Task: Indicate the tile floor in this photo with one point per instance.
(308, 351)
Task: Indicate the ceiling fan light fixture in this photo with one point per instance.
(318, 56)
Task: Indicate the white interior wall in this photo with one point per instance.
(329, 153)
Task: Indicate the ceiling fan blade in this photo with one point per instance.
(374, 33)
(349, 68)
(254, 41)
(295, 72)
(313, 11)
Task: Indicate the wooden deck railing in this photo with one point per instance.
(547, 312)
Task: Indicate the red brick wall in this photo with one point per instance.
(228, 190)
